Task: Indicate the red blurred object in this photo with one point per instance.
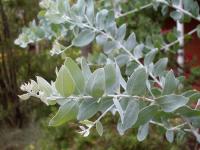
(192, 46)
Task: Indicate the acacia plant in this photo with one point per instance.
(146, 93)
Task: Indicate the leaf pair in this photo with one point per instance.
(136, 84)
(130, 115)
(103, 81)
(66, 112)
(70, 79)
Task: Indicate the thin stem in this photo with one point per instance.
(166, 47)
(178, 126)
(197, 105)
(134, 11)
(130, 96)
(66, 48)
(158, 124)
(102, 115)
(112, 96)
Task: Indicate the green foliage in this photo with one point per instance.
(147, 95)
(63, 137)
(87, 109)
(146, 114)
(130, 115)
(136, 84)
(99, 128)
(67, 112)
(143, 132)
(64, 82)
(84, 38)
(170, 103)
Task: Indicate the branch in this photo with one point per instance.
(180, 9)
(112, 96)
(102, 115)
(119, 43)
(178, 127)
(134, 10)
(125, 50)
(166, 47)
